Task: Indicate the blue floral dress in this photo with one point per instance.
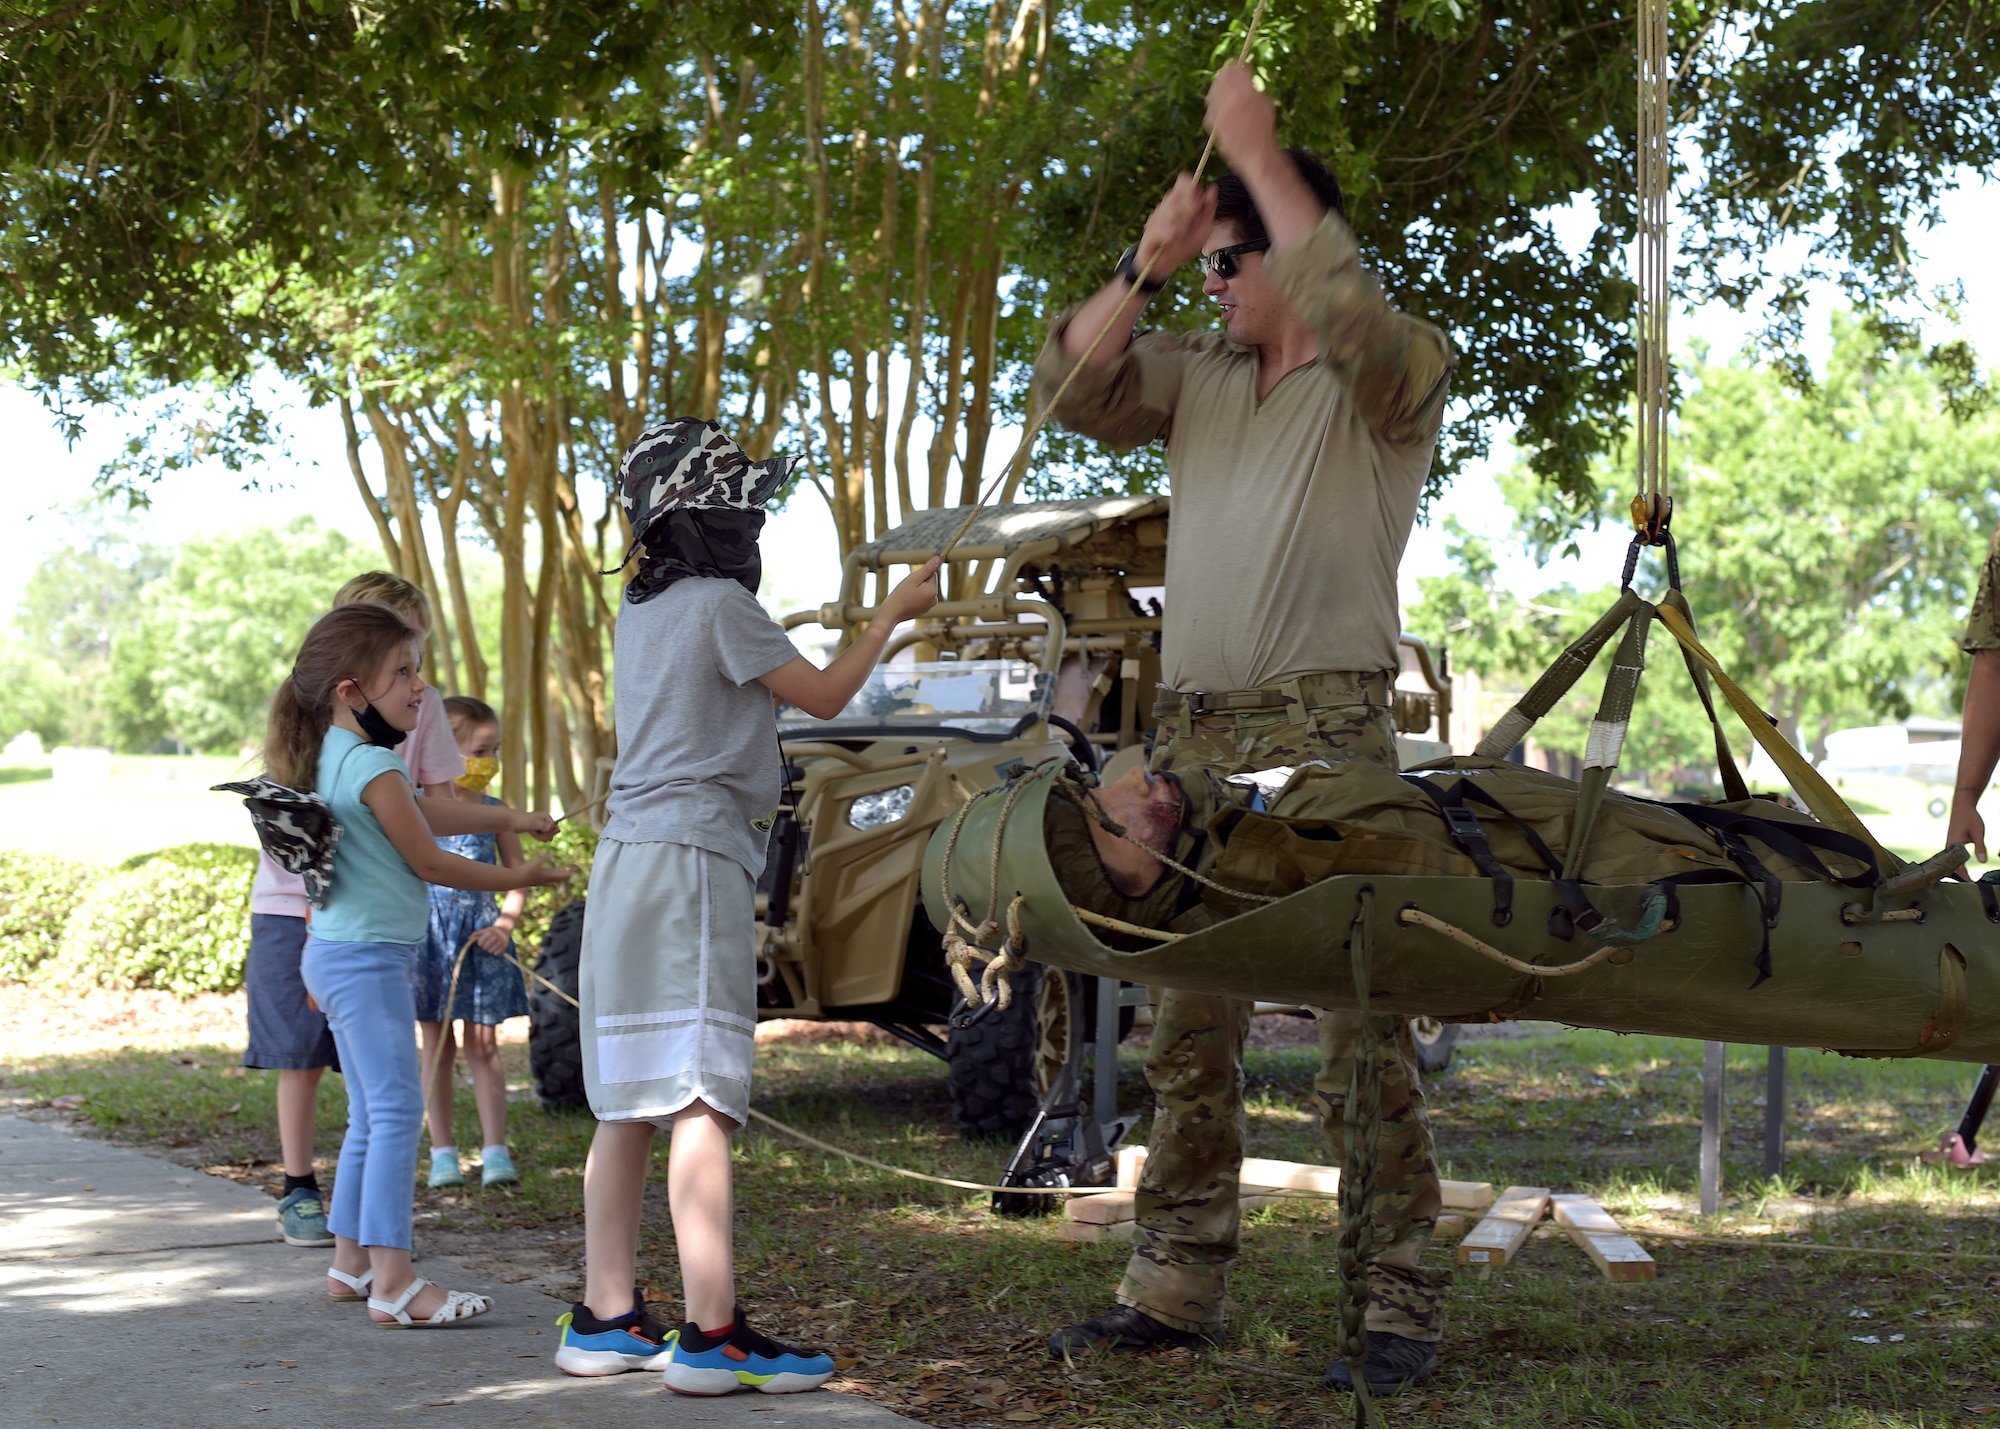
(489, 988)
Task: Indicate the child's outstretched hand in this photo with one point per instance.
(915, 594)
(536, 825)
(537, 873)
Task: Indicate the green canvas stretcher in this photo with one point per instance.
(1908, 967)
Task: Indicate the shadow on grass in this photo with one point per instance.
(25, 774)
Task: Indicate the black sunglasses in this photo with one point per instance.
(1222, 262)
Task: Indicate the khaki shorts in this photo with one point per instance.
(668, 982)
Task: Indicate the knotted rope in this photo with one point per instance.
(1363, 1119)
(965, 941)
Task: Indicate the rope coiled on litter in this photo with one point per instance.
(965, 941)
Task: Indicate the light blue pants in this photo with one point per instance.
(364, 990)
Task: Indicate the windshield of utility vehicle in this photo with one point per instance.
(989, 696)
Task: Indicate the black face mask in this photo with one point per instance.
(720, 543)
(379, 731)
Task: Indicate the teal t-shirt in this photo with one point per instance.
(374, 897)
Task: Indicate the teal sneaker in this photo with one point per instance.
(740, 1358)
(444, 1170)
(497, 1168)
(302, 1216)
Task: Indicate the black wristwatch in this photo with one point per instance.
(1128, 269)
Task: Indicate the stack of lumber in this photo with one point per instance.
(1499, 1236)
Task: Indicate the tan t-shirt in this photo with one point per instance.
(1291, 514)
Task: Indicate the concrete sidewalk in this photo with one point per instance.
(134, 1292)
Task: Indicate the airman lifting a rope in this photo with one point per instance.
(1299, 438)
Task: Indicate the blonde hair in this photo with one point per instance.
(467, 713)
(345, 644)
(385, 588)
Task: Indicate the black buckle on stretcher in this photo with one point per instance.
(1465, 829)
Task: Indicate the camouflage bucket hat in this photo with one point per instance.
(297, 830)
(689, 464)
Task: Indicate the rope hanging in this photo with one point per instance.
(1037, 418)
(1652, 506)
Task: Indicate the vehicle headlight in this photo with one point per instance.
(884, 806)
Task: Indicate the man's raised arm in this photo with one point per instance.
(1396, 366)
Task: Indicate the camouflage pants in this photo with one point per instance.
(1188, 1216)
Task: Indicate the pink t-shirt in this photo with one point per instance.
(431, 752)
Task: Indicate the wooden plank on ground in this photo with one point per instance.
(1500, 1235)
(1467, 1195)
(1111, 1217)
(1603, 1239)
(1303, 1176)
(1105, 1210)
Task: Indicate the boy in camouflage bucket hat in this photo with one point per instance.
(667, 981)
(695, 502)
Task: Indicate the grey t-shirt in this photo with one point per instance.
(698, 758)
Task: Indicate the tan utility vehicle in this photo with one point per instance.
(1047, 645)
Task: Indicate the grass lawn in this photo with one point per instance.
(938, 1308)
(149, 802)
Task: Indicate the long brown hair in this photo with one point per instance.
(345, 644)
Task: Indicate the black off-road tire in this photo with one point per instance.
(993, 1065)
(555, 1038)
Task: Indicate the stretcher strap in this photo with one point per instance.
(1564, 672)
(1577, 912)
(1734, 790)
(1826, 805)
(1607, 735)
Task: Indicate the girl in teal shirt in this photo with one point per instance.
(353, 695)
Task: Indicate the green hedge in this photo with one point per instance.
(574, 846)
(36, 895)
(178, 920)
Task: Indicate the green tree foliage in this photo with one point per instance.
(34, 694)
(505, 237)
(215, 634)
(77, 605)
(1832, 539)
(1461, 129)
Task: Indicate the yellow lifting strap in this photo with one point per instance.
(1827, 806)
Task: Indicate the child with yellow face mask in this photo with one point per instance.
(490, 988)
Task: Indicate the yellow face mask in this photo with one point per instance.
(479, 772)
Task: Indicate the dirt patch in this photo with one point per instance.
(75, 1022)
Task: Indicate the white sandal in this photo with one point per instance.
(458, 1305)
(357, 1283)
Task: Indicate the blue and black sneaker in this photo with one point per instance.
(740, 1358)
(592, 1347)
(302, 1217)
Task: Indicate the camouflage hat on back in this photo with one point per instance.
(688, 464)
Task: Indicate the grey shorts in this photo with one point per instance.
(668, 982)
(286, 1031)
